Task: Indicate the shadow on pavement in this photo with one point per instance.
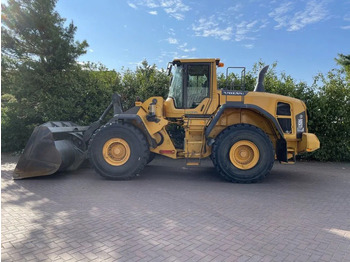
(175, 212)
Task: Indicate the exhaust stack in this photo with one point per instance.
(260, 81)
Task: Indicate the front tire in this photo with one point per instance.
(243, 153)
(151, 157)
(118, 151)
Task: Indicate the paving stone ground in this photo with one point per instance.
(175, 213)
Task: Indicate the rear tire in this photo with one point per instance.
(118, 151)
(243, 153)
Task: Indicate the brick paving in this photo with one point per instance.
(175, 213)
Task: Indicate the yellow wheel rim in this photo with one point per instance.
(244, 154)
(116, 151)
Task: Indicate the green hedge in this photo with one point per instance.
(81, 95)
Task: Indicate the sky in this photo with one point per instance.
(302, 36)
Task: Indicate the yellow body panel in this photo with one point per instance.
(153, 127)
(309, 142)
(254, 108)
(195, 143)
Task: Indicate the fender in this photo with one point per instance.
(131, 117)
(281, 146)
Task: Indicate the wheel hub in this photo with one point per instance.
(116, 151)
(244, 154)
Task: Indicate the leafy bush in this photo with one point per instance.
(80, 95)
(41, 82)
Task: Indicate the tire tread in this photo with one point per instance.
(216, 147)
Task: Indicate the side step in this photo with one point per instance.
(193, 161)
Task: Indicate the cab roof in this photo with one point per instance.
(197, 60)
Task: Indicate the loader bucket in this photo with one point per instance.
(52, 147)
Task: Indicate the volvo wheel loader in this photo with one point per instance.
(242, 132)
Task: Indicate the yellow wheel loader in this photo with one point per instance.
(242, 132)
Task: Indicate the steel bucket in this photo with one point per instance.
(52, 147)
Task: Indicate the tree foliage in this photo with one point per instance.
(34, 36)
(144, 82)
(344, 61)
(41, 81)
(38, 67)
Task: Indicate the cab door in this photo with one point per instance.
(197, 86)
(192, 90)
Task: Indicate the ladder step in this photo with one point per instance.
(192, 163)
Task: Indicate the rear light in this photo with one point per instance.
(167, 151)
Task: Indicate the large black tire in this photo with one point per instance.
(131, 140)
(231, 141)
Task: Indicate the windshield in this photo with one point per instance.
(175, 90)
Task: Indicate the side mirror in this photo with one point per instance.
(168, 69)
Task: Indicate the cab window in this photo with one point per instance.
(197, 84)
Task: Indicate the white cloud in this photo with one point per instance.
(314, 12)
(178, 16)
(286, 16)
(186, 50)
(235, 8)
(183, 47)
(171, 31)
(210, 28)
(172, 41)
(139, 63)
(244, 28)
(153, 12)
(280, 14)
(249, 46)
(174, 8)
(150, 3)
(91, 50)
(228, 31)
(346, 18)
(167, 56)
(132, 5)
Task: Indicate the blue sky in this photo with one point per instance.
(303, 36)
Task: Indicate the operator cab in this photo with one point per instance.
(189, 84)
(191, 87)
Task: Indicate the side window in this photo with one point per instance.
(284, 117)
(197, 84)
(176, 87)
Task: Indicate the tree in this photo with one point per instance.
(145, 82)
(344, 61)
(33, 35)
(38, 60)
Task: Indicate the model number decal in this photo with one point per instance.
(234, 92)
